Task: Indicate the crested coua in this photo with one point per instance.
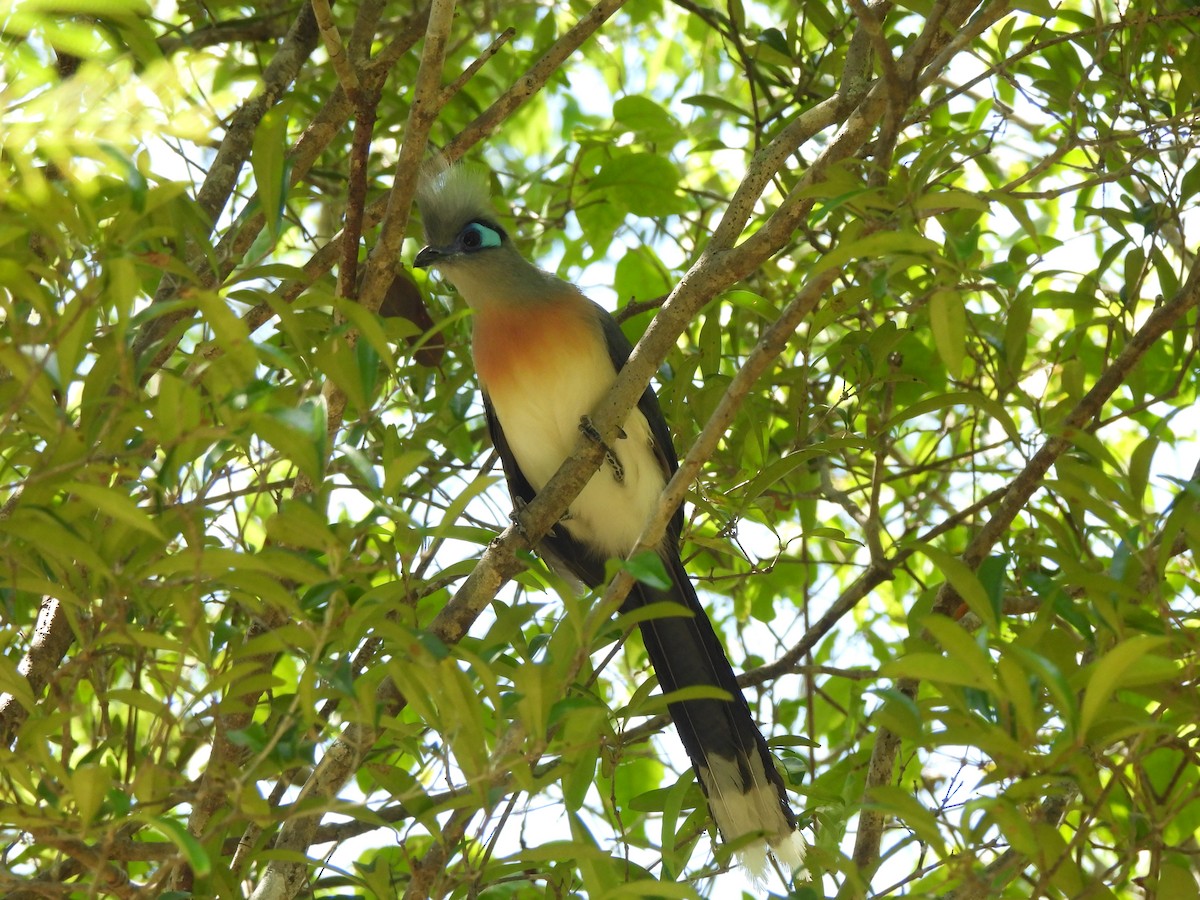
(546, 355)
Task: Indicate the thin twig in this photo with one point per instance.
(342, 66)
(450, 90)
(528, 85)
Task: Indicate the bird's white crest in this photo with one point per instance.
(449, 197)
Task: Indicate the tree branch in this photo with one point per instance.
(52, 637)
(529, 84)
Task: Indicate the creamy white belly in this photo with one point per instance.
(540, 417)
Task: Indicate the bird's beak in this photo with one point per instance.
(429, 256)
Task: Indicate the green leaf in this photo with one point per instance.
(1174, 881)
(716, 104)
(639, 183)
(936, 668)
(899, 713)
(598, 876)
(230, 334)
(89, 785)
(268, 155)
(899, 803)
(776, 39)
(646, 118)
(1016, 334)
(1015, 689)
(115, 504)
(299, 433)
(581, 721)
(299, 524)
(948, 320)
(881, 244)
(193, 851)
(992, 574)
(648, 568)
(640, 276)
(964, 651)
(964, 581)
(967, 399)
(663, 609)
(1107, 674)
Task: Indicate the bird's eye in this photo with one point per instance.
(476, 236)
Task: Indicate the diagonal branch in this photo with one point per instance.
(52, 636)
(528, 85)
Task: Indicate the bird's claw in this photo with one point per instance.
(593, 434)
(589, 430)
(519, 505)
(515, 517)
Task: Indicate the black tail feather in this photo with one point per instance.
(728, 752)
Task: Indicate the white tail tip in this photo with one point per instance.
(787, 850)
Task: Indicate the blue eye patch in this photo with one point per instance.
(478, 236)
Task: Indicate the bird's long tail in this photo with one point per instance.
(745, 793)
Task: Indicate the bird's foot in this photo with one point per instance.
(592, 434)
(519, 505)
(515, 517)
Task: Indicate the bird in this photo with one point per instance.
(545, 355)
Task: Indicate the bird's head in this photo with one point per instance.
(461, 232)
(467, 245)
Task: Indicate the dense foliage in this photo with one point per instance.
(930, 324)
